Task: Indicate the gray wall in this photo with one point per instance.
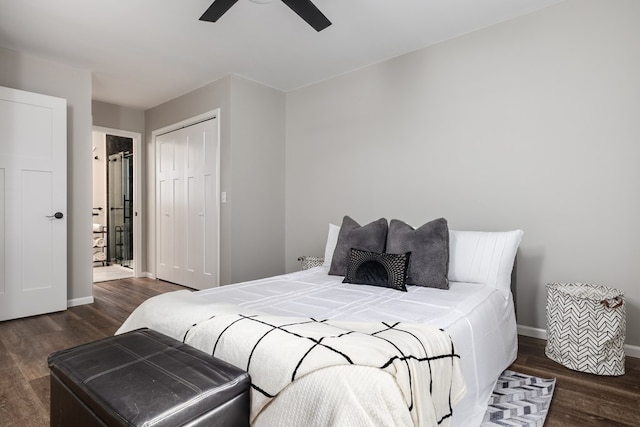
(257, 190)
(117, 117)
(529, 124)
(32, 74)
(252, 173)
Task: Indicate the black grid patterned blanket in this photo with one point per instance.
(277, 350)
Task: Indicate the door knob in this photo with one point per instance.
(57, 215)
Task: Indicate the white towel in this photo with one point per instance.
(97, 227)
(99, 256)
(98, 242)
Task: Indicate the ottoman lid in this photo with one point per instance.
(144, 378)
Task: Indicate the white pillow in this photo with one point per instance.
(483, 257)
(332, 241)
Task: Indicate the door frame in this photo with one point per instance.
(152, 251)
(137, 192)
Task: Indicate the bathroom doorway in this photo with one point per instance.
(115, 214)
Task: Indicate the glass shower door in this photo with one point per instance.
(120, 222)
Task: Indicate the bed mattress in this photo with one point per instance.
(479, 319)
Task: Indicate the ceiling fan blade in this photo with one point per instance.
(309, 12)
(216, 10)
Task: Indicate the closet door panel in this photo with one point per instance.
(211, 205)
(192, 203)
(165, 205)
(193, 226)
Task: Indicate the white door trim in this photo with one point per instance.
(137, 192)
(152, 250)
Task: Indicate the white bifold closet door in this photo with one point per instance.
(187, 205)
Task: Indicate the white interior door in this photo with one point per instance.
(33, 202)
(187, 207)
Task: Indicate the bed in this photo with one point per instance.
(476, 312)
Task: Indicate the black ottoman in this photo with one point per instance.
(144, 378)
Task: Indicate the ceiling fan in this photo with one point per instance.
(304, 8)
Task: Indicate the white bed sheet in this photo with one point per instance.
(479, 319)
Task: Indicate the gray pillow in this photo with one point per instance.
(371, 237)
(429, 247)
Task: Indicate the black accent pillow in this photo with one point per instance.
(376, 269)
(429, 247)
(371, 237)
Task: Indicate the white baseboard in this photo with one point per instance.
(79, 301)
(148, 275)
(532, 332)
(630, 350)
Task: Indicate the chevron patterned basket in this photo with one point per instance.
(310, 261)
(586, 326)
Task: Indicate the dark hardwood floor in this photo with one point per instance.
(582, 399)
(579, 400)
(26, 343)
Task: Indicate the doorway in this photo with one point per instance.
(116, 219)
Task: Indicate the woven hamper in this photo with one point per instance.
(586, 327)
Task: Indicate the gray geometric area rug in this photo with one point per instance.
(519, 400)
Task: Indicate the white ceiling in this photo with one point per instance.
(145, 52)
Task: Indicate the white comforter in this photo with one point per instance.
(479, 319)
(320, 372)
